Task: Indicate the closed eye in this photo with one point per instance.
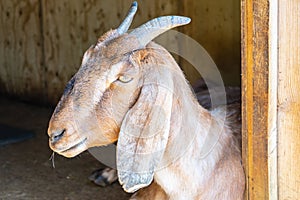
(125, 79)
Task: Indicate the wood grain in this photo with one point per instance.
(21, 63)
(271, 98)
(272, 101)
(289, 99)
(255, 90)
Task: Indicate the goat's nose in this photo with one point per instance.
(57, 135)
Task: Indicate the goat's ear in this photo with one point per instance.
(144, 131)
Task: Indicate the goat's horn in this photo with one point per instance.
(123, 28)
(150, 30)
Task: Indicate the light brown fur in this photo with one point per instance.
(98, 109)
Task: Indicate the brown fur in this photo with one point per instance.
(97, 109)
(153, 192)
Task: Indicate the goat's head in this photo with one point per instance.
(109, 95)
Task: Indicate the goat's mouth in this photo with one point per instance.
(73, 149)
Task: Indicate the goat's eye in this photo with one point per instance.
(125, 79)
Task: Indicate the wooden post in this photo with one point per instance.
(288, 115)
(271, 98)
(255, 66)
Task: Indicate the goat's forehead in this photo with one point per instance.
(90, 84)
(104, 71)
(102, 59)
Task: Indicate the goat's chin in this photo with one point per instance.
(72, 150)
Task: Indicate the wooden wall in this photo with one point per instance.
(42, 41)
(21, 49)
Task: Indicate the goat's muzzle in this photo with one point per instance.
(66, 141)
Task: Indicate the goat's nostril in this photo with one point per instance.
(57, 135)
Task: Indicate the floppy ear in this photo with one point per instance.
(145, 129)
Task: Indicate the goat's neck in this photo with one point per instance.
(191, 122)
(199, 150)
(192, 127)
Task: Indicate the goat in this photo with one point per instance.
(131, 90)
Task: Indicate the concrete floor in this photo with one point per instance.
(27, 173)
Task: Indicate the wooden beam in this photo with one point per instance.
(271, 98)
(255, 89)
(289, 99)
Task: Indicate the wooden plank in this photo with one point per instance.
(271, 77)
(21, 63)
(289, 100)
(255, 94)
(272, 101)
